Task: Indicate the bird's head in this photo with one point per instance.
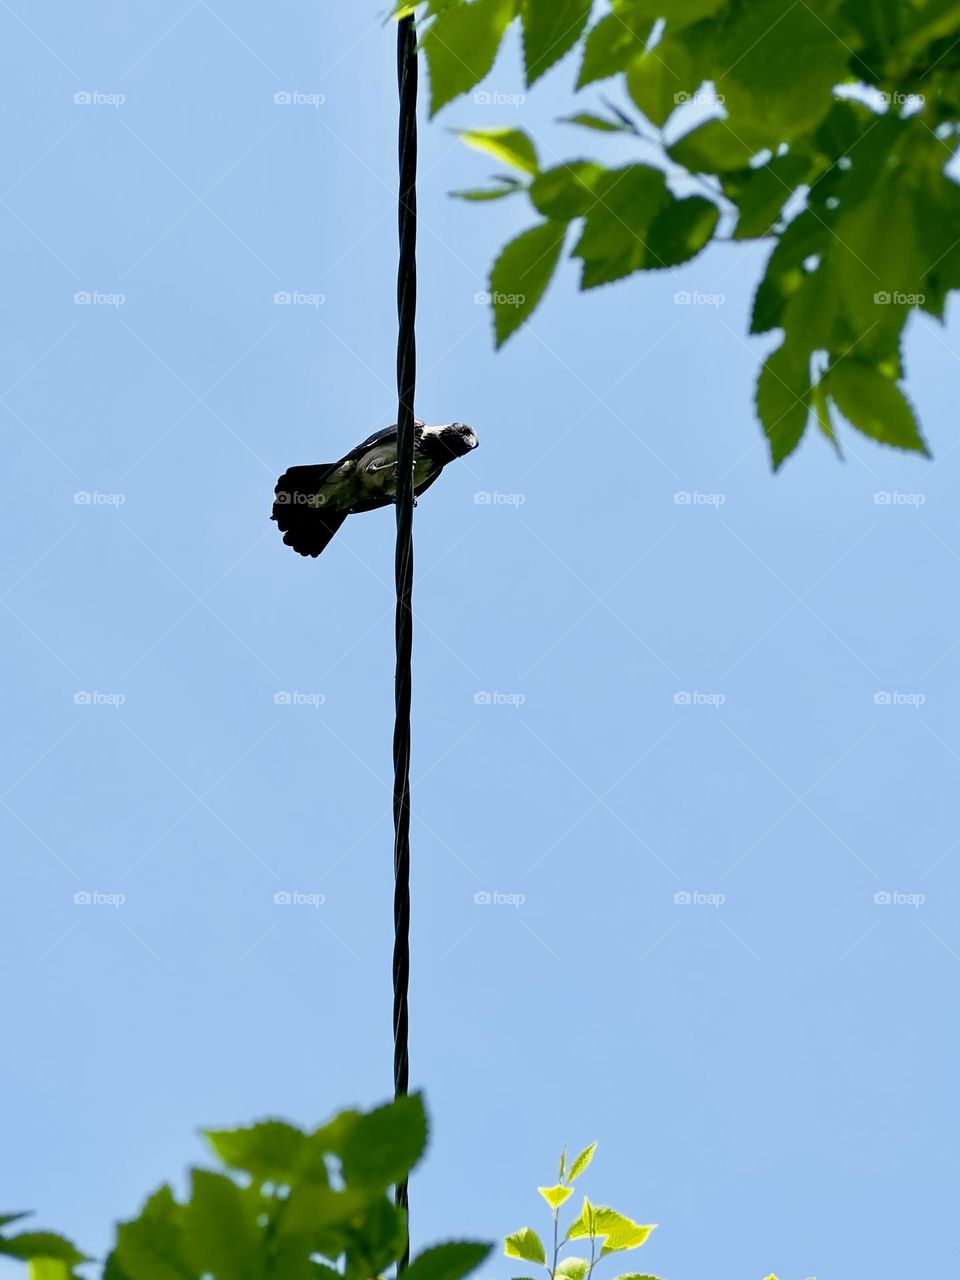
(448, 442)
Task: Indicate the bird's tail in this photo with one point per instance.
(306, 526)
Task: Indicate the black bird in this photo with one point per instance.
(313, 502)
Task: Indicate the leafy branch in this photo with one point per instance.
(826, 128)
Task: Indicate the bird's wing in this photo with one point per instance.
(387, 436)
(303, 481)
(431, 479)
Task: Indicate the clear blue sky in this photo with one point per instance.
(772, 1078)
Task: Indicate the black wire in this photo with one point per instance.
(407, 69)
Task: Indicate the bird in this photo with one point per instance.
(312, 502)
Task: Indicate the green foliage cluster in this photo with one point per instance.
(598, 1227)
(831, 127)
(286, 1205)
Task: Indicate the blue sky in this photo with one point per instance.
(721, 727)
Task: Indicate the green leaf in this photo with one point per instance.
(448, 1261)
(598, 123)
(512, 146)
(582, 1162)
(761, 192)
(874, 404)
(48, 1269)
(488, 193)
(601, 1221)
(271, 1151)
(573, 1268)
(41, 1244)
(820, 404)
(521, 274)
(614, 239)
(711, 148)
(313, 1209)
(783, 391)
(555, 1196)
(563, 1164)
(382, 1146)
(568, 191)
(780, 65)
(679, 13)
(880, 255)
(805, 237)
(583, 1226)
(680, 230)
(525, 1244)
(611, 46)
(7, 1218)
(662, 79)
(221, 1235)
(550, 29)
(152, 1247)
(461, 46)
(376, 1241)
